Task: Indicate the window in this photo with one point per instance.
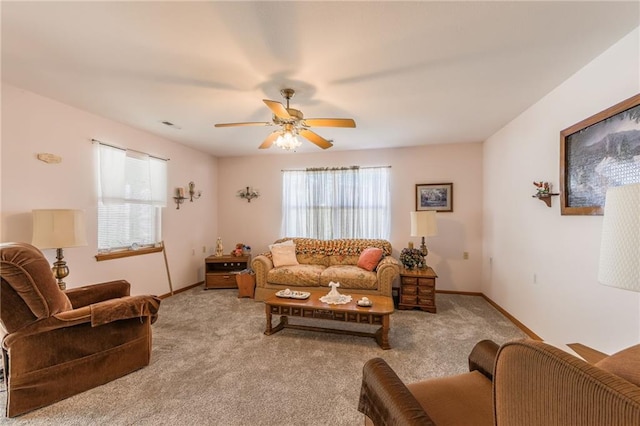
(336, 203)
(132, 189)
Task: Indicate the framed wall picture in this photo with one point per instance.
(597, 153)
(434, 196)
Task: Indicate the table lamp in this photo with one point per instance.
(59, 229)
(423, 224)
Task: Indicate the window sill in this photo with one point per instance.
(127, 253)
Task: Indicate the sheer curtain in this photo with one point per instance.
(333, 203)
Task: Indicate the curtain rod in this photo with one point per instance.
(334, 168)
(127, 149)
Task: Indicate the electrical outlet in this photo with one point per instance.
(465, 255)
(193, 252)
(535, 278)
(204, 249)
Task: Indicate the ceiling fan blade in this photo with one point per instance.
(315, 138)
(269, 140)
(330, 122)
(277, 108)
(251, 123)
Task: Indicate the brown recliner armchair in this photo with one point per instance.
(59, 343)
(524, 382)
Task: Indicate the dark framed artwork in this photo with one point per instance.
(434, 196)
(597, 153)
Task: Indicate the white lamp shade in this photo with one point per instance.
(423, 224)
(620, 246)
(58, 228)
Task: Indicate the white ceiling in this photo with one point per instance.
(409, 73)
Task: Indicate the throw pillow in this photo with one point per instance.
(284, 243)
(625, 364)
(369, 258)
(283, 254)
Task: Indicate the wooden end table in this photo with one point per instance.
(219, 270)
(418, 289)
(377, 314)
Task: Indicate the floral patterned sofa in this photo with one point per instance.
(323, 261)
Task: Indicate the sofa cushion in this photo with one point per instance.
(349, 276)
(465, 399)
(296, 275)
(369, 258)
(283, 254)
(625, 364)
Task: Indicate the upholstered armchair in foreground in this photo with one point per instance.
(56, 343)
(523, 382)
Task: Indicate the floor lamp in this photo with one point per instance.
(59, 229)
(620, 246)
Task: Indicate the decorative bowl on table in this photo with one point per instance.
(293, 294)
(364, 302)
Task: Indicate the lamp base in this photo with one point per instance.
(424, 252)
(60, 269)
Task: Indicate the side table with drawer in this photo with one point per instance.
(418, 289)
(219, 270)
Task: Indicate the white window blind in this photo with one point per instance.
(132, 189)
(336, 203)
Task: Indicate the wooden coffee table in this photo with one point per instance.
(377, 314)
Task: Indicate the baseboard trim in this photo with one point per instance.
(510, 317)
(499, 308)
(189, 287)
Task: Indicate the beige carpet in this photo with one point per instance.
(212, 365)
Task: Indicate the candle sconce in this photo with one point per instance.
(192, 192)
(180, 194)
(248, 194)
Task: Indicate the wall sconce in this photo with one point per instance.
(248, 194)
(180, 194)
(192, 192)
(179, 197)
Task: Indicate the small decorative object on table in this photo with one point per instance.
(219, 248)
(239, 250)
(287, 293)
(365, 302)
(412, 258)
(335, 298)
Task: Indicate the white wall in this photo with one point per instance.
(258, 223)
(523, 237)
(33, 124)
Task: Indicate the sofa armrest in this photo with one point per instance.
(89, 294)
(387, 271)
(483, 357)
(386, 400)
(261, 265)
(546, 385)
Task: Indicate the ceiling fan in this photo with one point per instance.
(292, 123)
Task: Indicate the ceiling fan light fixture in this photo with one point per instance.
(288, 141)
(293, 124)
